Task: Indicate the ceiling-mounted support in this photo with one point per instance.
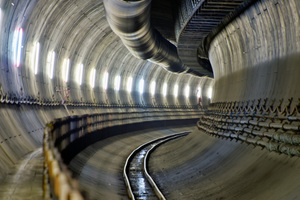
(130, 20)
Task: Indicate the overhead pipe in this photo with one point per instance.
(130, 20)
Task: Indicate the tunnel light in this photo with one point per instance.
(209, 93)
(52, 62)
(36, 54)
(176, 90)
(187, 91)
(18, 37)
(80, 74)
(165, 88)
(93, 77)
(66, 69)
(117, 83)
(129, 84)
(198, 92)
(152, 87)
(1, 17)
(141, 86)
(105, 80)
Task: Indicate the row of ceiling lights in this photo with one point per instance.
(79, 74)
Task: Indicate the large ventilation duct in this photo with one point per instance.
(130, 20)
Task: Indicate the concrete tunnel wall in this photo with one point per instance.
(77, 30)
(257, 54)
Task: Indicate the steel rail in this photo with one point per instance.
(154, 144)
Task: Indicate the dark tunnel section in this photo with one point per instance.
(61, 58)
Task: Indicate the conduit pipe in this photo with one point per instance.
(130, 20)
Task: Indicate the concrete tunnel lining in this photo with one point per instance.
(255, 56)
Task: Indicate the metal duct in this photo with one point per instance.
(130, 20)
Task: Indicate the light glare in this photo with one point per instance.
(92, 77)
(15, 46)
(187, 91)
(141, 86)
(80, 74)
(152, 87)
(105, 80)
(198, 92)
(129, 84)
(66, 69)
(209, 93)
(117, 83)
(165, 88)
(176, 90)
(52, 64)
(18, 48)
(36, 57)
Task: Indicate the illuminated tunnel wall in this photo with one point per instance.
(257, 54)
(71, 36)
(46, 45)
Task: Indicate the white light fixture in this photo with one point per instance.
(18, 37)
(1, 16)
(52, 63)
(152, 87)
(209, 93)
(80, 74)
(165, 88)
(105, 80)
(198, 92)
(129, 84)
(36, 54)
(176, 90)
(187, 91)
(141, 86)
(93, 77)
(66, 69)
(117, 83)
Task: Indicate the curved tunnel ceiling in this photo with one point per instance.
(254, 57)
(77, 31)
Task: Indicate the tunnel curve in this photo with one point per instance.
(254, 59)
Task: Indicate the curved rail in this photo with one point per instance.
(144, 151)
(61, 134)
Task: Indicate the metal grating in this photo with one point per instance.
(203, 24)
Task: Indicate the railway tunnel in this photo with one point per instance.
(84, 83)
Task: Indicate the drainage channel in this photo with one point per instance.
(139, 183)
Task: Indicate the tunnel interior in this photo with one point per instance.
(70, 58)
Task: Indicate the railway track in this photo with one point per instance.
(139, 183)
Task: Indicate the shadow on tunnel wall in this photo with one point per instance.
(274, 79)
(81, 143)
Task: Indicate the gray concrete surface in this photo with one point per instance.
(25, 179)
(203, 167)
(99, 167)
(256, 56)
(197, 166)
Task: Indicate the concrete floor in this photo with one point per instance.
(195, 167)
(100, 166)
(25, 180)
(203, 167)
